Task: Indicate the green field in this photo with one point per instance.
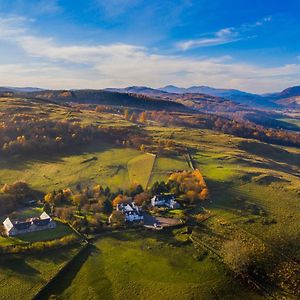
(253, 186)
(109, 168)
(140, 169)
(164, 166)
(149, 266)
(23, 276)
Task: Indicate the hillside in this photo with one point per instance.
(237, 96)
(99, 97)
(82, 146)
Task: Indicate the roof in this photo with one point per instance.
(44, 215)
(22, 225)
(167, 197)
(39, 222)
(43, 220)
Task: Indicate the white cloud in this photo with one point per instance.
(223, 36)
(47, 63)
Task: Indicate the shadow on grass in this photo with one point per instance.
(23, 162)
(17, 265)
(65, 278)
(268, 151)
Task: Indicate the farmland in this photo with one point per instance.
(25, 276)
(254, 194)
(149, 266)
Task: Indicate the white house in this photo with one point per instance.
(167, 200)
(43, 222)
(131, 211)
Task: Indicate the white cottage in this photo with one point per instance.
(43, 222)
(165, 200)
(131, 211)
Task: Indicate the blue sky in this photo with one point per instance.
(250, 45)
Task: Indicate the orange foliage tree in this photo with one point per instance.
(191, 184)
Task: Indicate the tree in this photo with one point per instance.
(203, 194)
(126, 114)
(79, 200)
(141, 198)
(159, 188)
(120, 199)
(47, 208)
(117, 218)
(191, 195)
(49, 197)
(135, 189)
(133, 118)
(143, 117)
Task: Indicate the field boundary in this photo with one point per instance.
(151, 173)
(42, 293)
(266, 292)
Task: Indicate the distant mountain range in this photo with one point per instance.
(288, 98)
(20, 89)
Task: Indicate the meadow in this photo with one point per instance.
(253, 186)
(22, 276)
(145, 265)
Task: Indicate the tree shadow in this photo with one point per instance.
(23, 162)
(270, 152)
(18, 265)
(65, 278)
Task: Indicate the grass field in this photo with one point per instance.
(23, 276)
(253, 186)
(149, 266)
(164, 166)
(109, 168)
(140, 168)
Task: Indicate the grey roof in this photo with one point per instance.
(41, 222)
(165, 197)
(22, 225)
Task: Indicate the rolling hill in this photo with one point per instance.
(100, 97)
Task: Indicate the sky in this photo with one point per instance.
(66, 44)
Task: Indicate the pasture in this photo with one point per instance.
(144, 265)
(140, 169)
(108, 168)
(22, 276)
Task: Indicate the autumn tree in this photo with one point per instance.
(126, 114)
(120, 199)
(141, 198)
(133, 118)
(49, 197)
(117, 218)
(79, 200)
(143, 117)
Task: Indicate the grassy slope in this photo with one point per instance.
(140, 168)
(239, 172)
(146, 266)
(242, 173)
(48, 173)
(21, 277)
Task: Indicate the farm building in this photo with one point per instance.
(165, 201)
(43, 222)
(131, 212)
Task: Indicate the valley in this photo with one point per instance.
(253, 199)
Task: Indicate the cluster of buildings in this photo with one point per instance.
(133, 213)
(43, 222)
